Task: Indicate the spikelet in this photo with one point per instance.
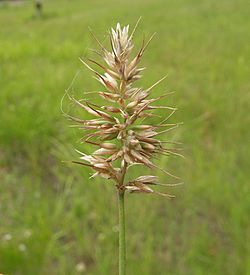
(116, 131)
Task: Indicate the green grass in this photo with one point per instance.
(52, 216)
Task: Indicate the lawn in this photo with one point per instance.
(54, 219)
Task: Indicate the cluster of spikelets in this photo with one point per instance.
(118, 131)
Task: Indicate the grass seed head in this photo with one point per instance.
(117, 131)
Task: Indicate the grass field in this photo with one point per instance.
(53, 219)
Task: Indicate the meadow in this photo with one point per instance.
(53, 218)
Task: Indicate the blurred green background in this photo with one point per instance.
(53, 219)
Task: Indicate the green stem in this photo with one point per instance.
(122, 241)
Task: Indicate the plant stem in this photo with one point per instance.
(122, 241)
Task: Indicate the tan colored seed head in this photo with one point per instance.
(118, 130)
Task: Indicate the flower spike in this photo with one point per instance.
(117, 131)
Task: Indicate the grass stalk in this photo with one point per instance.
(122, 237)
